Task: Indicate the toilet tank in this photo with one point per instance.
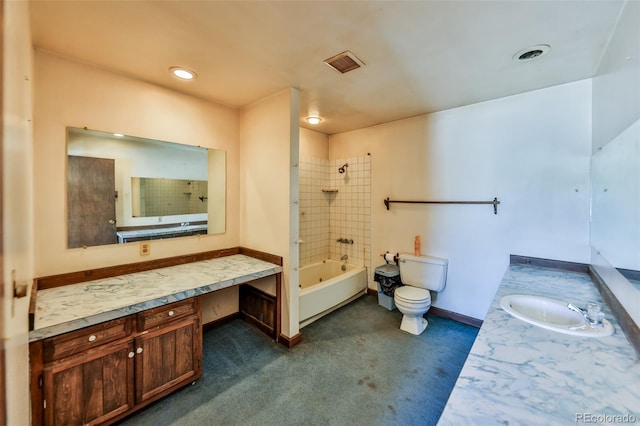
(423, 271)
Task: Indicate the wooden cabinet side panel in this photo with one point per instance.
(36, 366)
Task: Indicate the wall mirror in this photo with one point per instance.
(615, 208)
(167, 197)
(123, 188)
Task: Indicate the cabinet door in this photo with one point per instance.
(167, 357)
(90, 388)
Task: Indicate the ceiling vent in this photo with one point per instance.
(344, 62)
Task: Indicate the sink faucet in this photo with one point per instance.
(593, 314)
(345, 257)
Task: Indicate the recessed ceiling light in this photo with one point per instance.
(531, 53)
(313, 120)
(182, 73)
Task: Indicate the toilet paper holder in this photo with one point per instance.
(390, 257)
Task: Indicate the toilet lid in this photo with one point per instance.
(410, 294)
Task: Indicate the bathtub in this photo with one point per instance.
(324, 287)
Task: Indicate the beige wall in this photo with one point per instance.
(313, 144)
(17, 169)
(71, 94)
(268, 220)
(529, 150)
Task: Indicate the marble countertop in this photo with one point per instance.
(68, 308)
(520, 374)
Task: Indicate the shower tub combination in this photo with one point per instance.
(325, 287)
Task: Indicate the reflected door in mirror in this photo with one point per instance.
(91, 198)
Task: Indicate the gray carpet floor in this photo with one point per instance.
(353, 367)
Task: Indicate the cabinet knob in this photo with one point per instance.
(92, 338)
(131, 354)
(171, 313)
(139, 350)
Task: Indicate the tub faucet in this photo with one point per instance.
(345, 257)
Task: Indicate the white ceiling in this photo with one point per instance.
(420, 56)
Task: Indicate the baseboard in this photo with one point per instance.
(549, 263)
(630, 274)
(220, 321)
(464, 319)
(443, 313)
(290, 342)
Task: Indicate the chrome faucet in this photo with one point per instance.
(345, 257)
(593, 315)
(574, 308)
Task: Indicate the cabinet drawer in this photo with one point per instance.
(163, 314)
(79, 341)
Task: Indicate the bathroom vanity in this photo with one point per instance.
(102, 348)
(517, 373)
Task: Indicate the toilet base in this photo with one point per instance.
(414, 324)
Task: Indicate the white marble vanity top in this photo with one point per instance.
(63, 309)
(520, 374)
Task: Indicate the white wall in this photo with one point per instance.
(71, 94)
(615, 226)
(269, 148)
(529, 150)
(17, 169)
(616, 85)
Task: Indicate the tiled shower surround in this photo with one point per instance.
(335, 205)
(163, 197)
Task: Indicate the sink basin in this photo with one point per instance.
(552, 314)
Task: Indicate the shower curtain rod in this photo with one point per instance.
(495, 203)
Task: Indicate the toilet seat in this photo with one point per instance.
(412, 295)
(413, 303)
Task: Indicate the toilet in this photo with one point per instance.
(420, 275)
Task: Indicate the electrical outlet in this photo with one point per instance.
(145, 248)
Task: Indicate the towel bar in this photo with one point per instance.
(495, 203)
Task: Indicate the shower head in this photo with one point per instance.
(343, 168)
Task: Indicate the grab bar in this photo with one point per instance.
(495, 203)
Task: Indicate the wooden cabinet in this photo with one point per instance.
(90, 389)
(170, 350)
(101, 373)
